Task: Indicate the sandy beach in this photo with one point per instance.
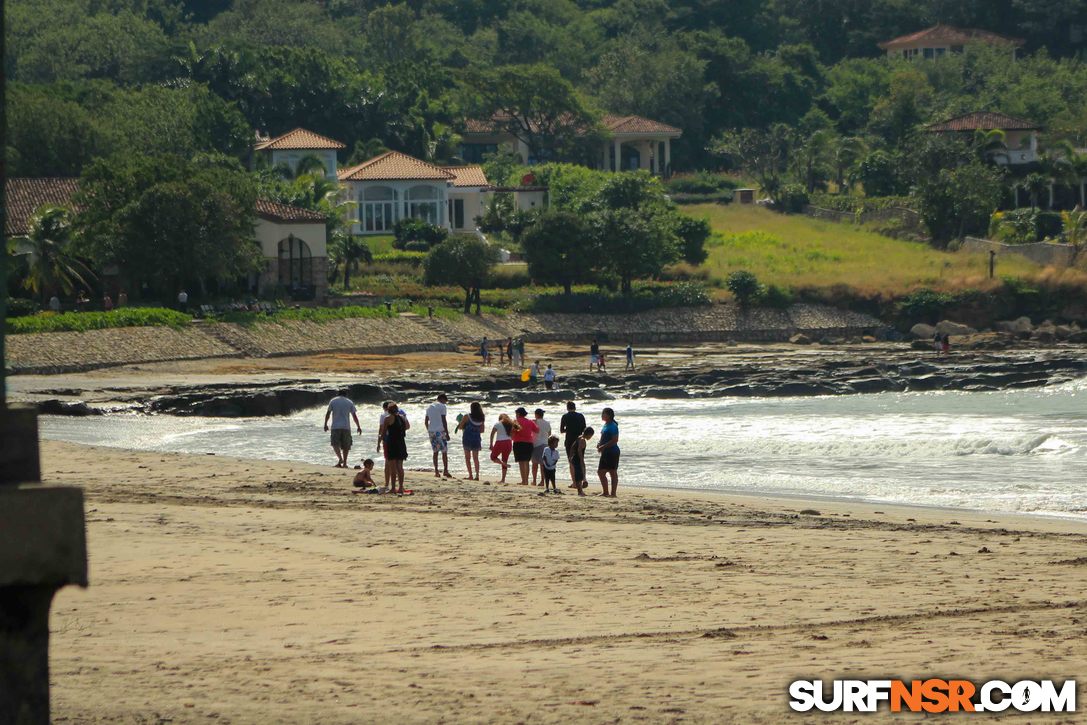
(228, 590)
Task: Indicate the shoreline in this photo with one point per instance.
(776, 499)
(280, 596)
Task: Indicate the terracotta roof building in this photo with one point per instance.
(983, 121)
(26, 195)
(290, 148)
(393, 165)
(939, 40)
(300, 138)
(275, 211)
(470, 175)
(1020, 135)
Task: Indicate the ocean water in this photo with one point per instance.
(1013, 451)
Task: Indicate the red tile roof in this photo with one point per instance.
(984, 121)
(637, 125)
(394, 166)
(300, 138)
(941, 35)
(275, 211)
(471, 175)
(25, 195)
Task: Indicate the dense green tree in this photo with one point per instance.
(763, 155)
(464, 261)
(168, 221)
(693, 235)
(557, 249)
(541, 109)
(960, 201)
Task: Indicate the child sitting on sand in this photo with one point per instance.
(365, 477)
(550, 460)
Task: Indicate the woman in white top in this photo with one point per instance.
(502, 442)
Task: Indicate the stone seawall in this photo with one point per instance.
(59, 352)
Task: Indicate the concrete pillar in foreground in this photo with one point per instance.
(43, 547)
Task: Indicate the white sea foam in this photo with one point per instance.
(1022, 451)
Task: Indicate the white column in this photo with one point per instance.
(618, 155)
(1051, 196)
(667, 157)
(654, 162)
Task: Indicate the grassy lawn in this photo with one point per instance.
(797, 252)
(380, 243)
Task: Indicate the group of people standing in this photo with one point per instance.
(530, 440)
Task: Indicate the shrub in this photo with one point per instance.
(416, 230)
(417, 245)
(791, 199)
(744, 286)
(82, 321)
(717, 197)
(643, 297)
(701, 182)
(924, 304)
(20, 307)
(401, 257)
(776, 297)
(1049, 225)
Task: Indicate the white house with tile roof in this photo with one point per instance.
(634, 142)
(396, 186)
(294, 246)
(293, 146)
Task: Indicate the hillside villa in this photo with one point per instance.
(1020, 136)
(940, 40)
(634, 142)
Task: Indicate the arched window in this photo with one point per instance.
(295, 263)
(423, 203)
(377, 209)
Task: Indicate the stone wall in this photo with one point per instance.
(1047, 254)
(57, 352)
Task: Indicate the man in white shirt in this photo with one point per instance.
(543, 432)
(438, 429)
(341, 410)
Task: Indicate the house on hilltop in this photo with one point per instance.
(634, 142)
(1020, 135)
(939, 40)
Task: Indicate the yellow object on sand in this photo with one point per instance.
(525, 375)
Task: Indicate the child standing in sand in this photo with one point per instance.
(578, 461)
(550, 461)
(502, 442)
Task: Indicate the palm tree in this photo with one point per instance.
(310, 165)
(990, 145)
(51, 265)
(1036, 184)
(1075, 229)
(809, 161)
(1070, 165)
(848, 151)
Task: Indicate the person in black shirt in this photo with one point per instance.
(594, 356)
(572, 425)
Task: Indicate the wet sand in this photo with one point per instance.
(226, 590)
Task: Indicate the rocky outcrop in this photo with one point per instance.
(947, 327)
(797, 373)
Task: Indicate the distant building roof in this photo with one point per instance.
(615, 123)
(940, 35)
(470, 175)
(394, 166)
(636, 124)
(301, 139)
(275, 211)
(983, 121)
(25, 195)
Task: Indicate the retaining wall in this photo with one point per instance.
(58, 352)
(1048, 254)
